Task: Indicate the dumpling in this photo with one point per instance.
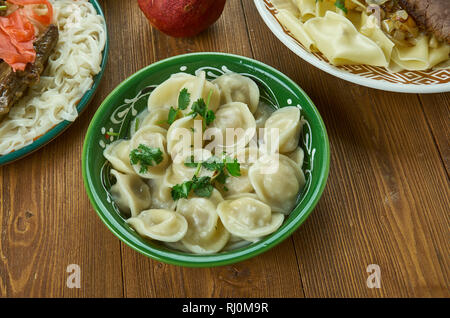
(241, 122)
(184, 135)
(236, 185)
(155, 137)
(262, 113)
(177, 246)
(157, 117)
(206, 233)
(136, 123)
(159, 224)
(118, 154)
(130, 193)
(248, 218)
(298, 155)
(237, 88)
(201, 88)
(160, 190)
(179, 172)
(277, 181)
(166, 94)
(287, 121)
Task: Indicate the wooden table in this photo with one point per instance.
(386, 202)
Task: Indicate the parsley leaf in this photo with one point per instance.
(183, 99)
(136, 125)
(221, 177)
(172, 115)
(209, 117)
(181, 190)
(191, 163)
(233, 168)
(202, 186)
(199, 108)
(146, 156)
(341, 5)
(213, 163)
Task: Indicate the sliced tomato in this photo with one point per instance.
(17, 35)
(45, 19)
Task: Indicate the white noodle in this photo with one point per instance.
(69, 74)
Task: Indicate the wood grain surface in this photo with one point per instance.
(386, 202)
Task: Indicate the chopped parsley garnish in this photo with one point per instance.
(146, 156)
(190, 163)
(233, 168)
(214, 163)
(182, 190)
(136, 125)
(173, 113)
(202, 186)
(341, 5)
(199, 107)
(184, 99)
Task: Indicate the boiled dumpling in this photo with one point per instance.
(166, 94)
(177, 246)
(160, 190)
(201, 88)
(136, 123)
(118, 154)
(205, 234)
(130, 193)
(277, 181)
(183, 136)
(241, 184)
(154, 137)
(298, 156)
(157, 117)
(159, 224)
(237, 88)
(287, 121)
(236, 116)
(262, 114)
(179, 172)
(248, 218)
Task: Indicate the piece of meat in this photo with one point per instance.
(14, 84)
(2, 5)
(431, 15)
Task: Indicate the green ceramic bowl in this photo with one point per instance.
(62, 126)
(130, 97)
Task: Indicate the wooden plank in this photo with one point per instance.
(437, 113)
(263, 276)
(47, 221)
(387, 198)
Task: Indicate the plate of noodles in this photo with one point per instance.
(52, 57)
(392, 45)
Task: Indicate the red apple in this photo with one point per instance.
(182, 18)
